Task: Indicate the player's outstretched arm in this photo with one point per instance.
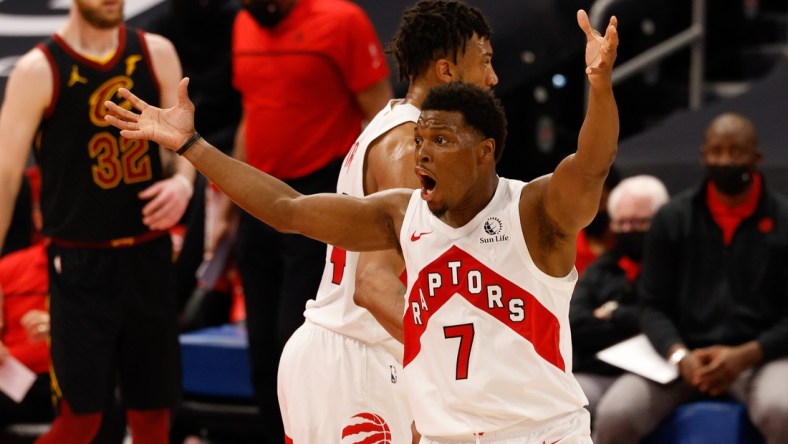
(575, 187)
(567, 199)
(351, 223)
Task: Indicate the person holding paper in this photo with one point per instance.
(714, 294)
(603, 310)
(23, 279)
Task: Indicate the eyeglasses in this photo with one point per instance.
(633, 224)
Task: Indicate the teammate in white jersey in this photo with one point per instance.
(486, 348)
(341, 341)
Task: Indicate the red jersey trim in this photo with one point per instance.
(55, 80)
(91, 63)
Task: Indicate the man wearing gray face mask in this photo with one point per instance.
(714, 295)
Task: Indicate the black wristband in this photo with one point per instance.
(192, 140)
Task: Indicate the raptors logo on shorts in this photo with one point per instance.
(366, 428)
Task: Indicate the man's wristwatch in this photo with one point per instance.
(675, 358)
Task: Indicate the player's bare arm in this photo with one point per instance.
(168, 198)
(389, 164)
(355, 224)
(27, 95)
(225, 220)
(166, 66)
(380, 290)
(567, 200)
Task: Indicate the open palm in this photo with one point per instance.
(600, 50)
(169, 127)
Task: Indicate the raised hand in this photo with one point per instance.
(600, 50)
(170, 128)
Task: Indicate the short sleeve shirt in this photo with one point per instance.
(299, 81)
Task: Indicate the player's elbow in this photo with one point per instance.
(361, 295)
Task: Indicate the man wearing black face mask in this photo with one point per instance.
(603, 310)
(714, 295)
(267, 13)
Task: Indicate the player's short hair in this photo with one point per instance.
(433, 29)
(480, 109)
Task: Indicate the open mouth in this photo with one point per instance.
(427, 184)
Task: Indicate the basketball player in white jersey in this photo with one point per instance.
(490, 261)
(341, 341)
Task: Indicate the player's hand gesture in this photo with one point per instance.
(600, 50)
(170, 128)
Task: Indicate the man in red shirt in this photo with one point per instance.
(310, 72)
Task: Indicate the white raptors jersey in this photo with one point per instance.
(333, 308)
(487, 341)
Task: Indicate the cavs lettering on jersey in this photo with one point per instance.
(333, 308)
(90, 175)
(487, 341)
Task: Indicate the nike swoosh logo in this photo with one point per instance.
(414, 237)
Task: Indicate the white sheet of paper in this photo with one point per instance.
(15, 379)
(637, 355)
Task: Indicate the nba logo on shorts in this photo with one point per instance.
(366, 428)
(393, 374)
